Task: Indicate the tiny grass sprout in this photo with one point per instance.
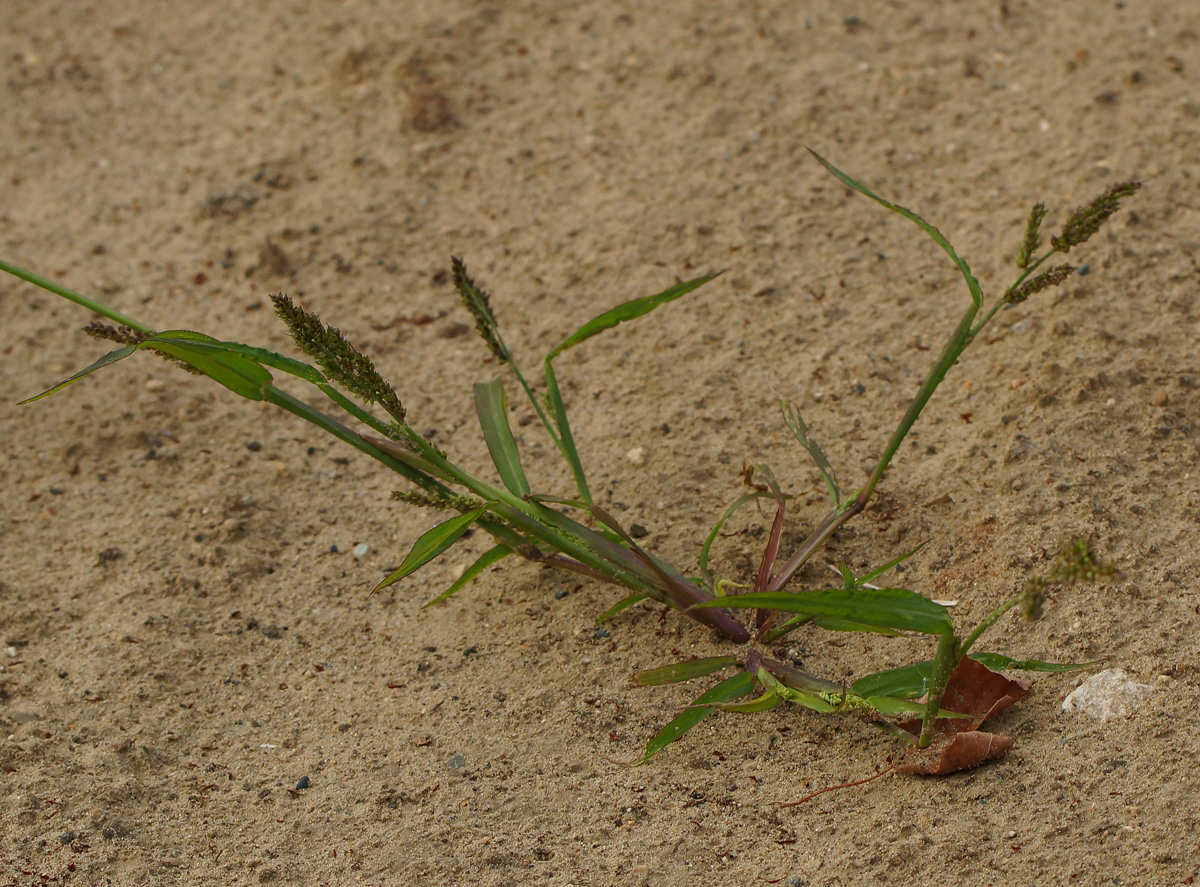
(939, 701)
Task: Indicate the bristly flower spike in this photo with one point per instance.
(1087, 220)
(479, 305)
(1052, 277)
(422, 499)
(339, 360)
(122, 335)
(1032, 230)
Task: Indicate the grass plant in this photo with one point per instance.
(575, 534)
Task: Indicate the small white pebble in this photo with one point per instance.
(637, 455)
(11, 651)
(1107, 695)
(361, 549)
(153, 385)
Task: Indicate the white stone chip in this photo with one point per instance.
(361, 549)
(1109, 694)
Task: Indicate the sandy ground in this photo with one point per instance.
(186, 626)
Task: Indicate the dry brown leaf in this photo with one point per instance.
(979, 692)
(964, 751)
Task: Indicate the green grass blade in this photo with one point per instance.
(934, 233)
(264, 356)
(890, 609)
(831, 623)
(890, 565)
(785, 628)
(485, 560)
(792, 694)
(887, 705)
(741, 684)
(766, 702)
(432, 543)
(907, 682)
(492, 408)
(107, 360)
(565, 439)
(683, 592)
(627, 311)
(622, 604)
(712, 536)
(998, 662)
(240, 374)
(791, 415)
(683, 671)
(401, 453)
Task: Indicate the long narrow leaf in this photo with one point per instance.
(432, 543)
(771, 549)
(619, 606)
(766, 702)
(907, 682)
(627, 311)
(240, 374)
(741, 684)
(890, 565)
(934, 233)
(402, 454)
(565, 440)
(791, 415)
(891, 609)
(484, 561)
(492, 408)
(684, 592)
(682, 671)
(202, 343)
(107, 360)
(712, 536)
(794, 694)
(831, 623)
(998, 662)
(887, 705)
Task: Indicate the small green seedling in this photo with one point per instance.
(540, 528)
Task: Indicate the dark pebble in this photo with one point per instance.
(67, 837)
(254, 446)
(303, 784)
(470, 650)
(602, 633)
(560, 594)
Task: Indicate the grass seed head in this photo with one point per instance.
(1032, 230)
(1087, 220)
(422, 499)
(1052, 277)
(122, 335)
(479, 304)
(340, 361)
